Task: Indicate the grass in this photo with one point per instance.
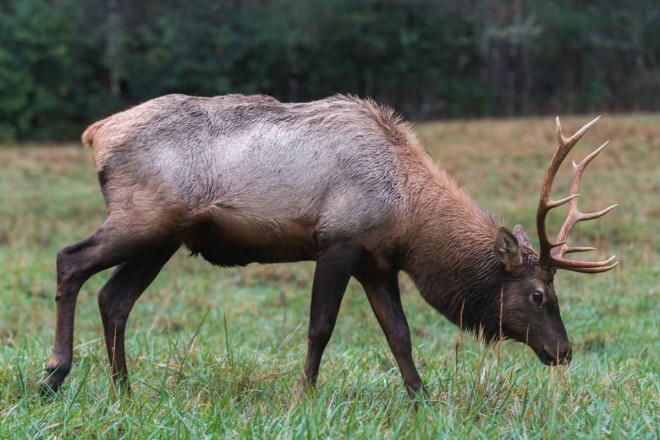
(216, 353)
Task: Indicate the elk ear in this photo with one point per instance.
(522, 236)
(508, 251)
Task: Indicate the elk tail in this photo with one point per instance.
(88, 135)
(97, 143)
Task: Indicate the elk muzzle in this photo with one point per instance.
(556, 354)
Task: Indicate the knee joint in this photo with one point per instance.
(320, 332)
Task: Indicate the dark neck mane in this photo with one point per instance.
(451, 254)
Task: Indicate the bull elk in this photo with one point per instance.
(343, 181)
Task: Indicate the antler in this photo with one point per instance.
(552, 253)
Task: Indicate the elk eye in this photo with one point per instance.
(537, 296)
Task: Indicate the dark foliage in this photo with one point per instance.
(65, 63)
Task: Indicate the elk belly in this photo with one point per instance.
(226, 236)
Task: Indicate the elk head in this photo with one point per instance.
(530, 309)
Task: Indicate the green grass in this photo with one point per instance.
(216, 352)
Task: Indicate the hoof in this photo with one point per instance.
(53, 381)
(48, 389)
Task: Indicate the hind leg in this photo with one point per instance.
(116, 300)
(111, 245)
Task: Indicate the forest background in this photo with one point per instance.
(66, 63)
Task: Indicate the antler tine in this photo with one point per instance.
(596, 269)
(570, 142)
(574, 214)
(565, 263)
(552, 253)
(573, 249)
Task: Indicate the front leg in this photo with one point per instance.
(334, 266)
(385, 298)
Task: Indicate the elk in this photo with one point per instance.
(342, 181)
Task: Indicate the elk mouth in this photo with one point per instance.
(549, 357)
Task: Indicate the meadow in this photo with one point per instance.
(216, 352)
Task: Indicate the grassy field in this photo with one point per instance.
(216, 352)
